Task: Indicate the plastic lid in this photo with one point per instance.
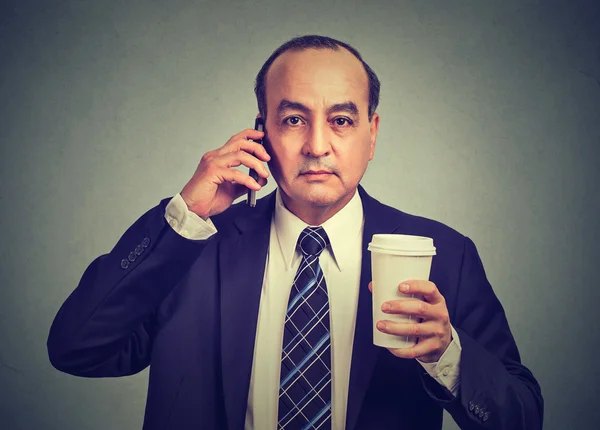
(402, 244)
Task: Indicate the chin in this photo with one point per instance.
(320, 196)
(315, 194)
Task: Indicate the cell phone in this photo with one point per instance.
(260, 126)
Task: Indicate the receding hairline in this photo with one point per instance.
(336, 48)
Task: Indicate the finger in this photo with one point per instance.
(238, 189)
(422, 348)
(248, 133)
(241, 142)
(422, 330)
(254, 148)
(248, 146)
(262, 181)
(234, 159)
(371, 286)
(233, 175)
(427, 289)
(416, 308)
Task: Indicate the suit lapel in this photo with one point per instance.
(364, 353)
(241, 267)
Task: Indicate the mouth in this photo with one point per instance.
(316, 174)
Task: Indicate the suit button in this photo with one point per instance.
(132, 256)
(146, 242)
(471, 404)
(481, 413)
(486, 416)
(124, 263)
(476, 410)
(139, 249)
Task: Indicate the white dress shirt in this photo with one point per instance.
(341, 265)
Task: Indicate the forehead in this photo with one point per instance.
(316, 77)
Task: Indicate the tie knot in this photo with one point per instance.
(312, 241)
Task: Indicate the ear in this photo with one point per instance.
(374, 124)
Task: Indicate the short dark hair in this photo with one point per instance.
(316, 42)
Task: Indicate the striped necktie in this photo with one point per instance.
(305, 381)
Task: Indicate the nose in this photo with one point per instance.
(317, 142)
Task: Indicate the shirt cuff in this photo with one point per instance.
(185, 222)
(446, 371)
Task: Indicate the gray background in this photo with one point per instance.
(490, 119)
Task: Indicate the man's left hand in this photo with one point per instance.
(433, 332)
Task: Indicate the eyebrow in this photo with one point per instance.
(348, 106)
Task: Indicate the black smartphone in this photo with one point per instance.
(260, 126)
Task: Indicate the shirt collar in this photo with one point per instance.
(342, 229)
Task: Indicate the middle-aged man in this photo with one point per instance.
(261, 318)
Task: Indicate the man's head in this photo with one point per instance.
(318, 100)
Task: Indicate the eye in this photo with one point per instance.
(292, 120)
(342, 121)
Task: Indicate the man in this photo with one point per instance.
(210, 295)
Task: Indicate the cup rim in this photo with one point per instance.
(409, 252)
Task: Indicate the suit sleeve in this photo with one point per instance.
(106, 326)
(496, 391)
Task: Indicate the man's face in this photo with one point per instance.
(317, 129)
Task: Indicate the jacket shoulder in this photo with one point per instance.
(410, 224)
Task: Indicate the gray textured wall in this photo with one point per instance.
(490, 119)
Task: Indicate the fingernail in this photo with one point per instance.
(404, 287)
(380, 325)
(385, 307)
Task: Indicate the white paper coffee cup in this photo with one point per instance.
(396, 258)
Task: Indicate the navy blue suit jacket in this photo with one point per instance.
(188, 309)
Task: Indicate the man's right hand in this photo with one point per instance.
(216, 184)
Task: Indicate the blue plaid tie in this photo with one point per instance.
(305, 387)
